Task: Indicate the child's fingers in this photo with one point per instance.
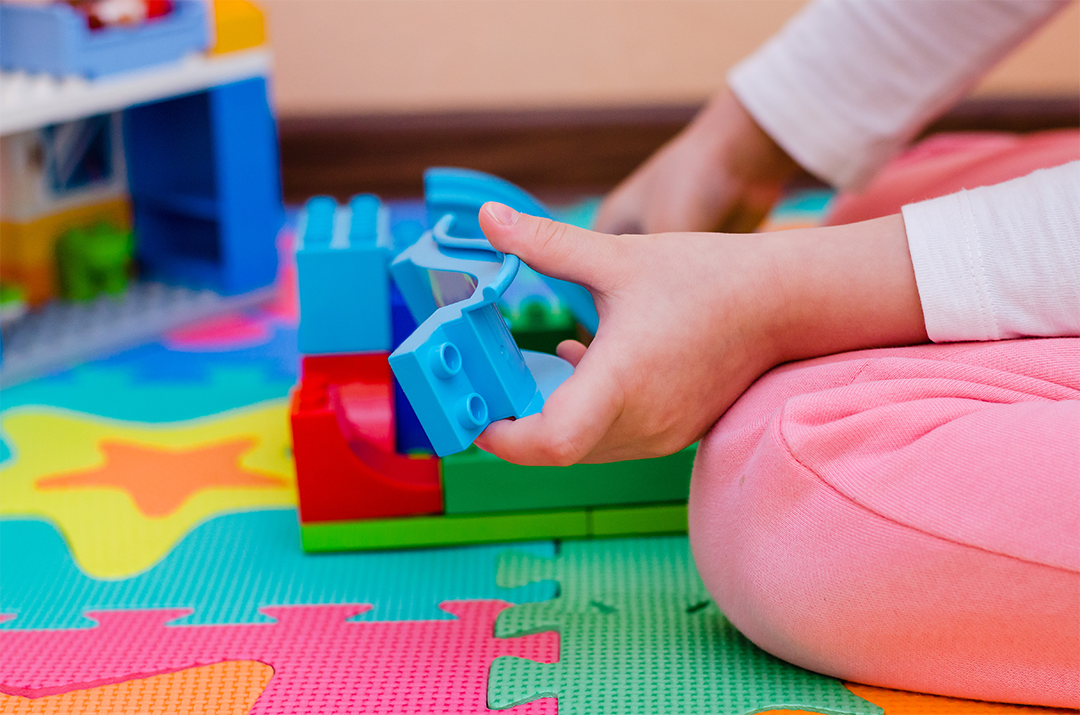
(571, 351)
(554, 249)
(575, 418)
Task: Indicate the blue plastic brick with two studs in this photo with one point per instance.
(341, 262)
(461, 368)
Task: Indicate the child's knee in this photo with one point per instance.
(827, 582)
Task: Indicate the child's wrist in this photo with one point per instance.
(744, 150)
(843, 288)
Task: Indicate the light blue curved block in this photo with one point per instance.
(461, 369)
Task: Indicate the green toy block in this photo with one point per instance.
(475, 481)
(639, 634)
(538, 326)
(420, 531)
(92, 261)
(653, 519)
(12, 302)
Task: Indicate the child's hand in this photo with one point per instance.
(688, 321)
(721, 173)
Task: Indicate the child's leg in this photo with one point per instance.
(908, 518)
(946, 163)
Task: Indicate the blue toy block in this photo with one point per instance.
(461, 369)
(409, 433)
(341, 264)
(461, 193)
(55, 38)
(204, 180)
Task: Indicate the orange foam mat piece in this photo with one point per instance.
(902, 702)
(226, 688)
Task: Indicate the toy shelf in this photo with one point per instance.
(30, 101)
(56, 38)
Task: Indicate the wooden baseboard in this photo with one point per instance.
(552, 153)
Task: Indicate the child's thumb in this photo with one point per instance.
(555, 249)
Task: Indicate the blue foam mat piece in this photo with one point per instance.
(278, 358)
(230, 566)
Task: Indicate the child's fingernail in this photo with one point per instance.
(502, 213)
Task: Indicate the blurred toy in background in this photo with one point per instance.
(12, 303)
(52, 180)
(170, 163)
(108, 13)
(94, 261)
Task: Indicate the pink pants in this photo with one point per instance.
(910, 517)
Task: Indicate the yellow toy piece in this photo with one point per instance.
(239, 25)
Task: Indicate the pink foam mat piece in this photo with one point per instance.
(322, 663)
(230, 331)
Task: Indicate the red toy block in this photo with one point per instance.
(343, 443)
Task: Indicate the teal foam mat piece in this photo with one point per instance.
(639, 634)
(116, 393)
(230, 566)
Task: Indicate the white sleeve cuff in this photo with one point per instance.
(1000, 261)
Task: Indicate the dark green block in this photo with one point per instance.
(475, 481)
(538, 326)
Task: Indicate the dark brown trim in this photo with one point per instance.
(1010, 114)
(552, 153)
(576, 151)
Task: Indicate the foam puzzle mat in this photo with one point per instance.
(150, 562)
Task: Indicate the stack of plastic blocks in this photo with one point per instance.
(54, 38)
(364, 479)
(342, 414)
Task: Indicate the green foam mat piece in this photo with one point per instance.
(639, 634)
(475, 481)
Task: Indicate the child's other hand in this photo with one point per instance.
(689, 320)
(721, 173)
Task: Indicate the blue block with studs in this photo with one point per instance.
(342, 259)
(461, 369)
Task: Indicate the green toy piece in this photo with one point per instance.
(653, 519)
(418, 531)
(92, 261)
(639, 634)
(475, 481)
(538, 326)
(12, 303)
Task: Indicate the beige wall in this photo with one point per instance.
(375, 56)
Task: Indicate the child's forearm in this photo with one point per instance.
(844, 288)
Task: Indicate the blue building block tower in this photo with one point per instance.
(203, 173)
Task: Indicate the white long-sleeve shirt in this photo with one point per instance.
(847, 83)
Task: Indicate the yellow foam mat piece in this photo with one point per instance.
(239, 25)
(86, 474)
(227, 688)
